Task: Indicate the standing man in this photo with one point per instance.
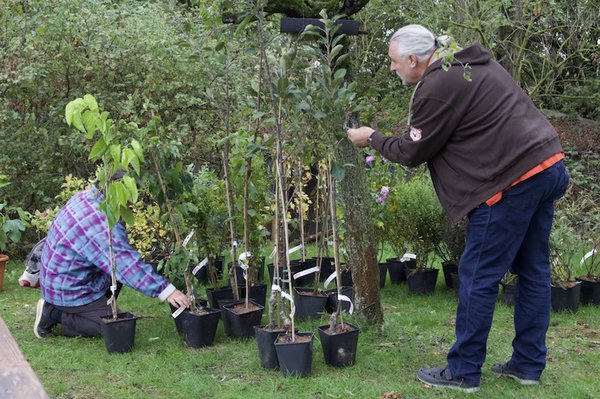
(494, 158)
(75, 270)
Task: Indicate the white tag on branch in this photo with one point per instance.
(273, 252)
(329, 280)
(587, 256)
(200, 265)
(178, 311)
(295, 249)
(234, 244)
(188, 238)
(330, 243)
(243, 256)
(408, 256)
(346, 299)
(306, 272)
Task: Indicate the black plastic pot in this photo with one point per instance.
(258, 293)
(309, 279)
(422, 282)
(202, 274)
(332, 301)
(327, 267)
(241, 325)
(409, 267)
(339, 349)
(119, 335)
(347, 278)
(201, 302)
(295, 358)
(295, 268)
(265, 340)
(590, 292)
(309, 306)
(383, 269)
(455, 282)
(396, 270)
(199, 330)
(566, 298)
(507, 296)
(239, 272)
(216, 295)
(297, 25)
(449, 268)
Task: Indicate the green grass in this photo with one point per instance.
(417, 332)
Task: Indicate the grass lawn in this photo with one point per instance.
(417, 332)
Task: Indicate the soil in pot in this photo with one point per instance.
(567, 297)
(119, 334)
(449, 268)
(295, 357)
(239, 320)
(199, 327)
(590, 290)
(339, 347)
(423, 281)
(309, 304)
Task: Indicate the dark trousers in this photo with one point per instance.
(513, 234)
(84, 321)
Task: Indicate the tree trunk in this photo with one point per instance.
(360, 234)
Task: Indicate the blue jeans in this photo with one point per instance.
(514, 235)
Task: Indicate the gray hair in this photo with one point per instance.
(418, 40)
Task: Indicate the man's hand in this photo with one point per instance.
(178, 299)
(359, 136)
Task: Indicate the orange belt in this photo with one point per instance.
(532, 172)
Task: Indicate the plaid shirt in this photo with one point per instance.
(75, 261)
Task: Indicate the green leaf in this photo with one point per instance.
(115, 153)
(335, 51)
(90, 102)
(339, 74)
(251, 213)
(131, 187)
(304, 106)
(341, 59)
(338, 172)
(98, 149)
(219, 47)
(127, 215)
(137, 148)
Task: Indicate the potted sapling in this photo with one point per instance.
(310, 302)
(565, 292)
(172, 186)
(450, 248)
(339, 340)
(590, 281)
(118, 329)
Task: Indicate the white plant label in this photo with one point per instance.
(346, 299)
(408, 256)
(295, 249)
(178, 311)
(287, 296)
(188, 238)
(273, 252)
(306, 272)
(329, 280)
(587, 256)
(200, 265)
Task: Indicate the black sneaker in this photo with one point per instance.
(42, 327)
(506, 370)
(441, 377)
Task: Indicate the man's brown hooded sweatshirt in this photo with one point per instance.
(476, 136)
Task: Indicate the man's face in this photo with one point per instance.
(405, 66)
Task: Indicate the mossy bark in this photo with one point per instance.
(360, 233)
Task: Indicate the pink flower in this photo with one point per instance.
(369, 159)
(383, 193)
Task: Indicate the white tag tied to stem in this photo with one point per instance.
(306, 272)
(346, 299)
(234, 244)
(295, 249)
(408, 256)
(188, 238)
(200, 265)
(178, 311)
(587, 256)
(287, 296)
(329, 280)
(243, 256)
(113, 289)
(273, 252)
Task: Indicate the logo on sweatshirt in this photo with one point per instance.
(415, 134)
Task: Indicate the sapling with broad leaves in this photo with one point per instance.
(113, 153)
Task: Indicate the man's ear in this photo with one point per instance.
(414, 61)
